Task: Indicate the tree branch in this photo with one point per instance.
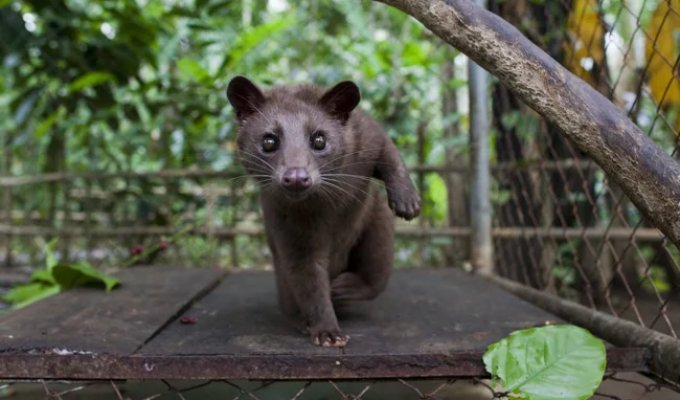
(665, 349)
(648, 176)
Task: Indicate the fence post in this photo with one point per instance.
(420, 182)
(481, 245)
(6, 170)
(456, 180)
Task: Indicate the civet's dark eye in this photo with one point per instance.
(270, 143)
(318, 140)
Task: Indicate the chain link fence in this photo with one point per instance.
(615, 387)
(560, 225)
(579, 235)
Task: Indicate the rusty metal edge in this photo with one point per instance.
(269, 367)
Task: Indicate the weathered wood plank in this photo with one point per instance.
(422, 312)
(440, 311)
(239, 317)
(429, 323)
(90, 321)
(268, 367)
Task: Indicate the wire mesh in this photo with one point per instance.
(560, 224)
(583, 238)
(616, 386)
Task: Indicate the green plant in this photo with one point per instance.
(56, 277)
(657, 279)
(548, 363)
(199, 251)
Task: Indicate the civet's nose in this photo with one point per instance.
(296, 179)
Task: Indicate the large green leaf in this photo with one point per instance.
(80, 274)
(24, 295)
(553, 362)
(55, 277)
(43, 276)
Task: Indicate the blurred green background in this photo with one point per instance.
(131, 92)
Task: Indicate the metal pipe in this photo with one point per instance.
(481, 243)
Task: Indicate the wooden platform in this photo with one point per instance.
(429, 323)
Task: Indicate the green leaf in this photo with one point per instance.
(90, 79)
(50, 258)
(415, 54)
(80, 274)
(548, 363)
(510, 120)
(43, 276)
(438, 195)
(24, 295)
(190, 69)
(47, 123)
(457, 83)
(251, 38)
(657, 279)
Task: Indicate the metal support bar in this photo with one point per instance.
(481, 243)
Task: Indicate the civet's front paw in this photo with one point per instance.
(404, 200)
(329, 338)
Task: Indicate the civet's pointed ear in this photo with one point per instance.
(244, 96)
(341, 100)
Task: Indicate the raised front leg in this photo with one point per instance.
(401, 194)
(310, 286)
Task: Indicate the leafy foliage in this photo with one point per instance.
(55, 277)
(68, 276)
(139, 85)
(151, 77)
(548, 363)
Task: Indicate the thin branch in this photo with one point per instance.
(665, 349)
